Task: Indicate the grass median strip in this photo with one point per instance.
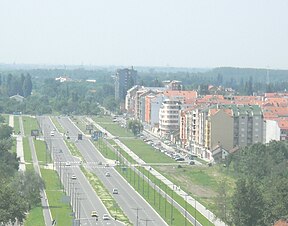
(167, 211)
(105, 197)
(57, 124)
(74, 150)
(43, 155)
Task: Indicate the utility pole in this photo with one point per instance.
(172, 208)
(186, 209)
(146, 221)
(137, 216)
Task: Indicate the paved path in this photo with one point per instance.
(19, 145)
(205, 212)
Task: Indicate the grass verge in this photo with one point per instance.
(146, 152)
(169, 213)
(35, 217)
(203, 220)
(26, 150)
(105, 197)
(60, 211)
(29, 124)
(42, 156)
(16, 124)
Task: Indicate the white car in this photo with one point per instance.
(115, 191)
(67, 164)
(105, 217)
(107, 174)
(73, 177)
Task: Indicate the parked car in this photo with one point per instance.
(191, 163)
(179, 159)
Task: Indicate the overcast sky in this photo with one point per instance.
(175, 33)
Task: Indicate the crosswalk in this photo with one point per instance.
(85, 164)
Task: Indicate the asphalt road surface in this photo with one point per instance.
(79, 192)
(127, 198)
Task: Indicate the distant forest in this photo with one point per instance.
(44, 95)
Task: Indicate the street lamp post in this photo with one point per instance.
(137, 215)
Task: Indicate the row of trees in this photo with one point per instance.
(19, 192)
(261, 193)
(11, 85)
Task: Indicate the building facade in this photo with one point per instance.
(124, 79)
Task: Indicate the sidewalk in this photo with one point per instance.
(205, 212)
(19, 146)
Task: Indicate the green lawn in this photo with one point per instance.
(108, 153)
(113, 127)
(40, 148)
(146, 152)
(27, 151)
(35, 217)
(203, 220)
(60, 211)
(199, 181)
(14, 145)
(16, 124)
(29, 124)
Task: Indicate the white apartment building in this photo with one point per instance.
(169, 117)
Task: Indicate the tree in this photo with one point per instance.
(247, 203)
(29, 185)
(222, 206)
(12, 206)
(135, 126)
(27, 85)
(5, 131)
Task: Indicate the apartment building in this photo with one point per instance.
(169, 117)
(124, 79)
(130, 99)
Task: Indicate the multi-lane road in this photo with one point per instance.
(85, 200)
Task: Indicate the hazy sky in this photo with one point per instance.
(176, 33)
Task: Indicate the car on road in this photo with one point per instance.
(105, 217)
(107, 165)
(99, 163)
(52, 133)
(67, 164)
(94, 214)
(73, 177)
(115, 191)
(107, 174)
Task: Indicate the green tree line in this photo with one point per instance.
(19, 192)
(260, 197)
